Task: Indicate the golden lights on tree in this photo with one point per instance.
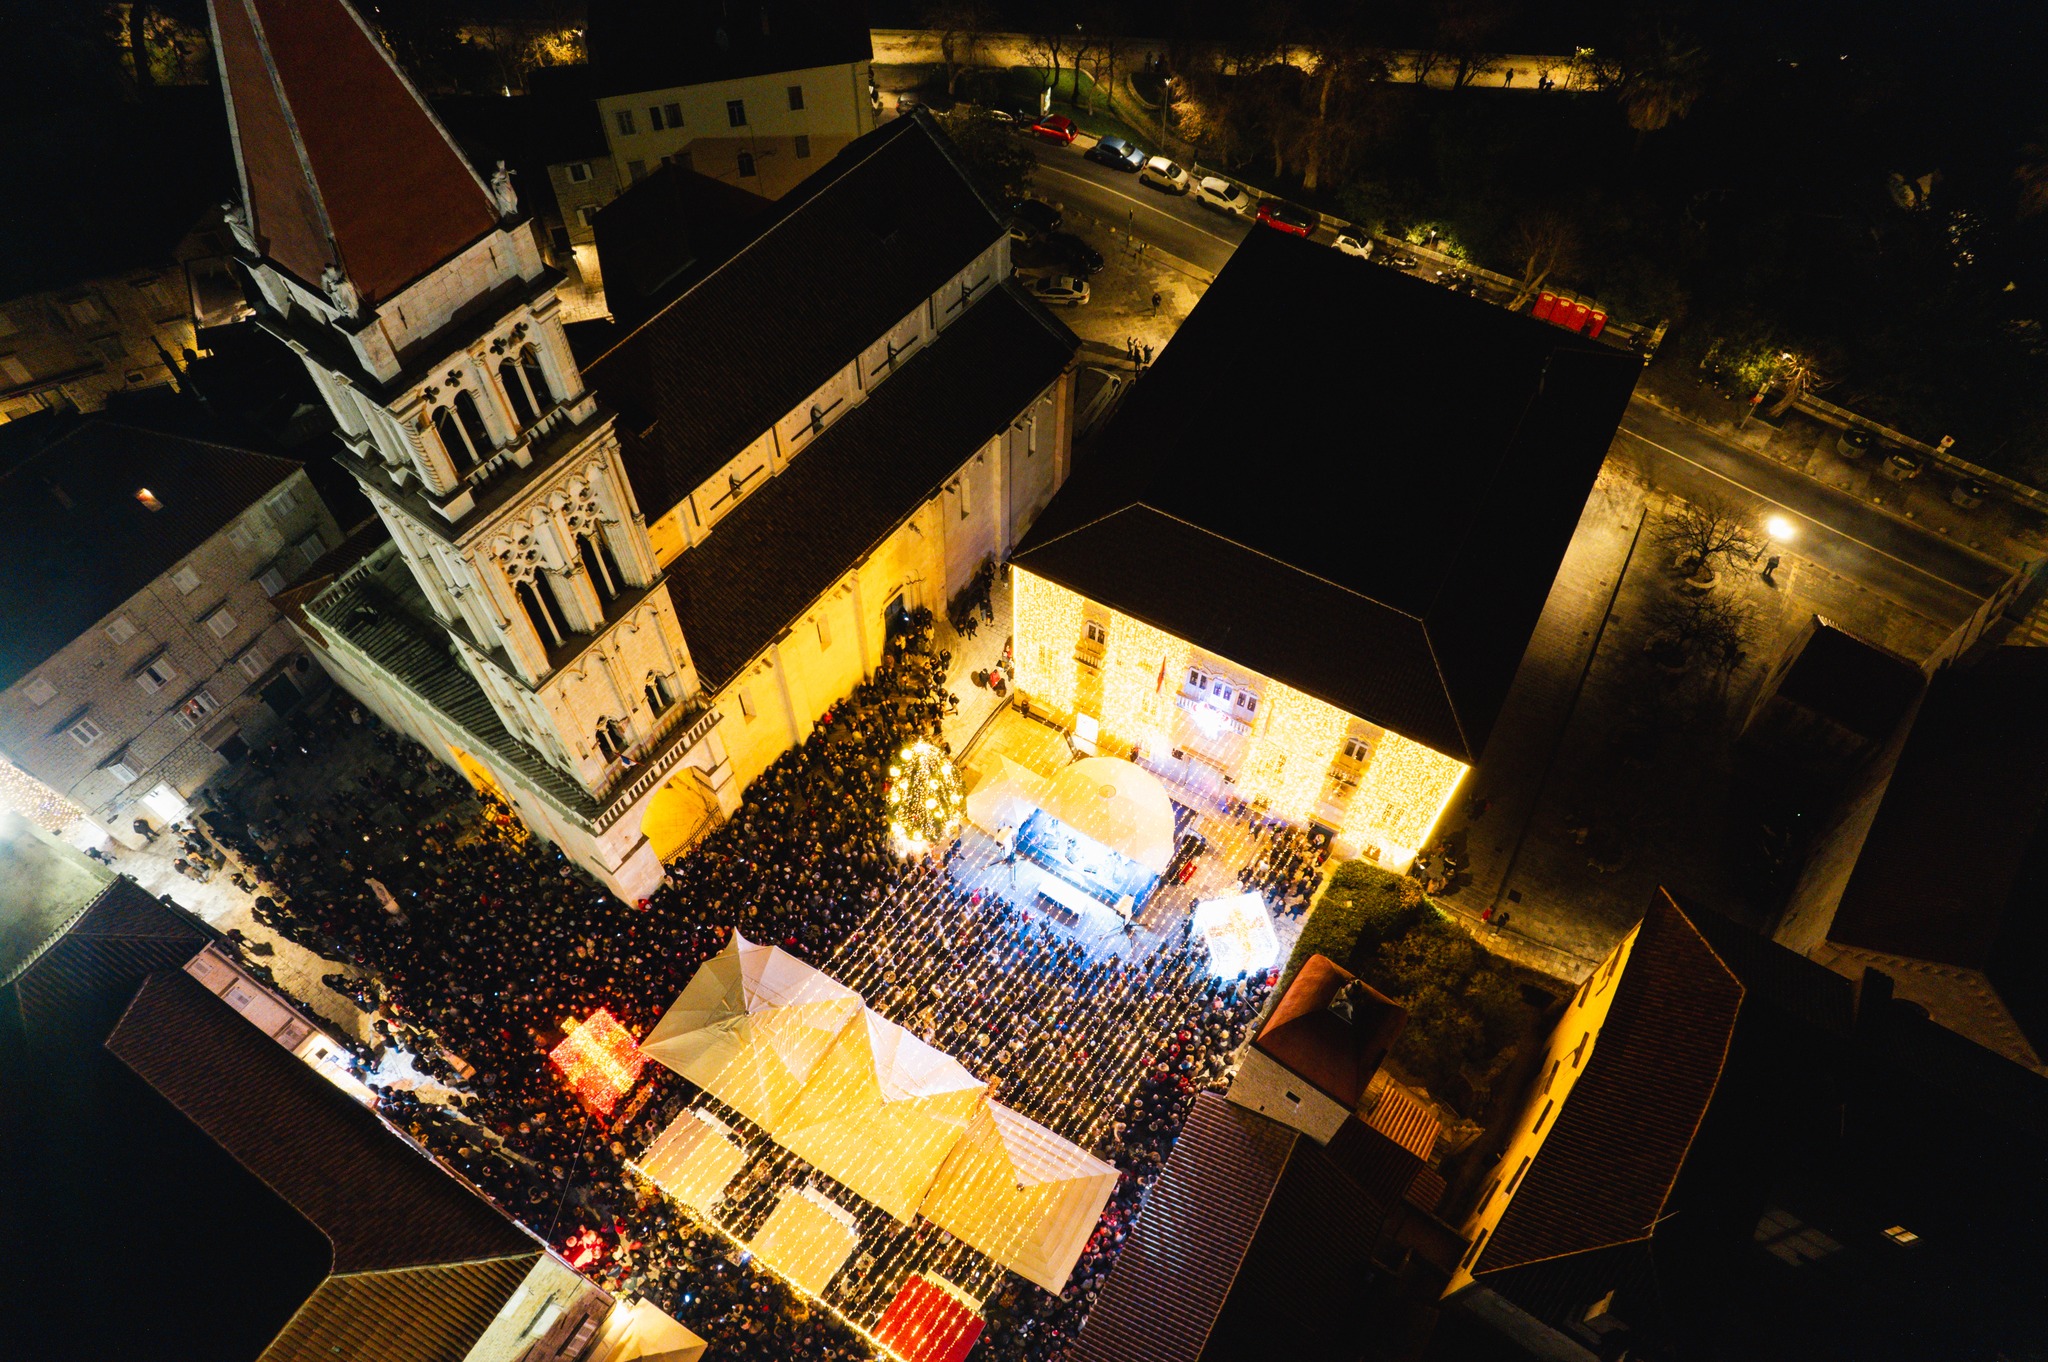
(924, 798)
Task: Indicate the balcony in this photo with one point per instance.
(649, 761)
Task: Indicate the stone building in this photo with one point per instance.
(613, 598)
(760, 93)
(142, 642)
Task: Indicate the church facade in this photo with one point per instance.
(613, 597)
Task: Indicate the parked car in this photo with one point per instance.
(1354, 243)
(1397, 259)
(1061, 290)
(1223, 196)
(1161, 173)
(1054, 128)
(1078, 255)
(1117, 154)
(1286, 217)
(1031, 220)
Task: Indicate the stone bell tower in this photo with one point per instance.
(416, 295)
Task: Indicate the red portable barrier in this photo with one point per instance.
(1546, 303)
(1599, 324)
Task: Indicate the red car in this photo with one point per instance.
(1286, 217)
(1056, 128)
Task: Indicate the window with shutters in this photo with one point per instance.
(119, 629)
(156, 674)
(195, 708)
(251, 663)
(220, 623)
(39, 692)
(240, 536)
(281, 504)
(186, 580)
(85, 732)
(272, 581)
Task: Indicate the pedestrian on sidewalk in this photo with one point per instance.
(143, 830)
(1770, 566)
(1157, 298)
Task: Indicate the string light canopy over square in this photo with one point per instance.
(1238, 933)
(600, 1060)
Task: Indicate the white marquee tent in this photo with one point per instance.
(880, 1113)
(1021, 1194)
(750, 1027)
(1115, 802)
(694, 1159)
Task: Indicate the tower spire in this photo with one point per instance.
(350, 182)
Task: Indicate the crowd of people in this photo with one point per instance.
(1287, 866)
(474, 945)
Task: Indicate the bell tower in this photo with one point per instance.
(415, 292)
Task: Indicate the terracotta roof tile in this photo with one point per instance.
(1310, 1040)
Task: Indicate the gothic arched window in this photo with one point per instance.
(599, 563)
(516, 393)
(455, 439)
(542, 612)
(473, 426)
(661, 693)
(612, 739)
(537, 386)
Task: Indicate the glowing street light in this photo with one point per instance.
(1781, 529)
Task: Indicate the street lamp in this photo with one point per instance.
(1781, 529)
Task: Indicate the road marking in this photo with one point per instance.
(1770, 500)
(1149, 207)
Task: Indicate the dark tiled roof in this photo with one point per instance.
(1620, 1139)
(378, 608)
(637, 45)
(1337, 1056)
(1859, 685)
(1177, 1266)
(849, 253)
(1955, 866)
(340, 159)
(667, 230)
(65, 567)
(382, 1204)
(776, 552)
(1379, 486)
(416, 1314)
(91, 1149)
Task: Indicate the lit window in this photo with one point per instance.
(198, 707)
(148, 499)
(1899, 1234)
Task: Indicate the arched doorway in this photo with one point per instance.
(680, 812)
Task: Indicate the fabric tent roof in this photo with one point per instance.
(751, 1025)
(1005, 795)
(694, 1160)
(1121, 805)
(640, 1332)
(1021, 1194)
(880, 1113)
(807, 1238)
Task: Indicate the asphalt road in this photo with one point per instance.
(1925, 572)
(1172, 223)
(1922, 571)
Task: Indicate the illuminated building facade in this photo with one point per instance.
(1329, 633)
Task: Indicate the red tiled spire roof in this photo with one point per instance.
(341, 161)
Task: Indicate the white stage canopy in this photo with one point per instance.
(694, 1160)
(1021, 1194)
(880, 1113)
(751, 1026)
(1121, 805)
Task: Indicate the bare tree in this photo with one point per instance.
(1662, 75)
(1053, 45)
(961, 27)
(1548, 242)
(1716, 626)
(1706, 531)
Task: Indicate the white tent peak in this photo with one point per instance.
(1117, 803)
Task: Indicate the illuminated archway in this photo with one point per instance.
(677, 815)
(480, 776)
